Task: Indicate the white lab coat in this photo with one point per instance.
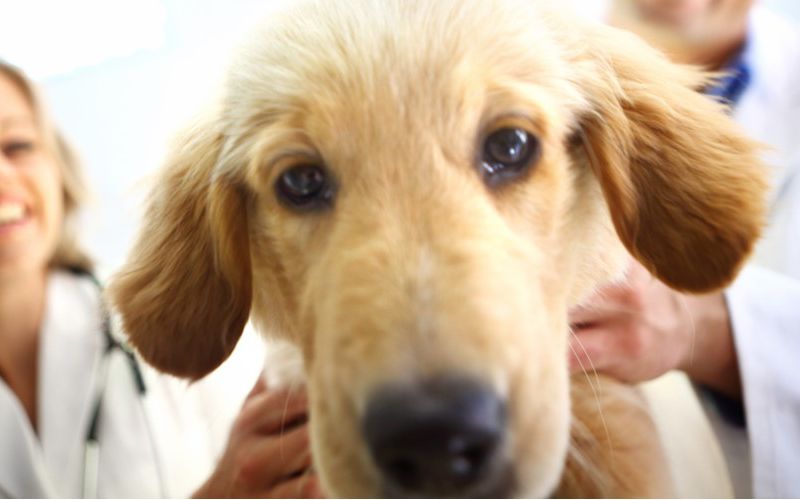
(163, 444)
(764, 301)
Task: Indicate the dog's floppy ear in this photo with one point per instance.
(684, 185)
(185, 293)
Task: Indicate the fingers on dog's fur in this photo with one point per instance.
(684, 184)
(184, 294)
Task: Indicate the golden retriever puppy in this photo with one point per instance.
(413, 193)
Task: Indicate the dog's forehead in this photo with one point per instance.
(394, 57)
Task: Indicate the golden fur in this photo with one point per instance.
(419, 268)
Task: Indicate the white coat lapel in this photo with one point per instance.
(22, 469)
(70, 350)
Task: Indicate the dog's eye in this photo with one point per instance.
(507, 154)
(305, 187)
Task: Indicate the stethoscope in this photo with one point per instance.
(91, 441)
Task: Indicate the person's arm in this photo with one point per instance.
(712, 359)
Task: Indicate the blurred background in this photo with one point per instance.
(123, 75)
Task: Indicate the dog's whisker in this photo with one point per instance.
(595, 391)
(693, 329)
(580, 362)
(594, 384)
(284, 415)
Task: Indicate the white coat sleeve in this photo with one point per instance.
(765, 316)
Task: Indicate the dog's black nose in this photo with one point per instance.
(442, 437)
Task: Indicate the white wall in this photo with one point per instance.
(121, 112)
(594, 8)
(789, 7)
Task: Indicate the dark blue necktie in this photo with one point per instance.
(729, 88)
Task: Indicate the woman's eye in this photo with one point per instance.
(14, 149)
(507, 154)
(305, 187)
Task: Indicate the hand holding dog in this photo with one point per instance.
(268, 454)
(639, 329)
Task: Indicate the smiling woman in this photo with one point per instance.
(39, 190)
(64, 370)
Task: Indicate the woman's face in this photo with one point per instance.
(31, 196)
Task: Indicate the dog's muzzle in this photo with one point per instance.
(442, 437)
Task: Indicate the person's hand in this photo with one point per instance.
(268, 454)
(639, 329)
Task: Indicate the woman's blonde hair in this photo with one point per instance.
(68, 253)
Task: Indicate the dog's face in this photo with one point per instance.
(414, 193)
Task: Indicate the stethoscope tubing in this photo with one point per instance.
(91, 452)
